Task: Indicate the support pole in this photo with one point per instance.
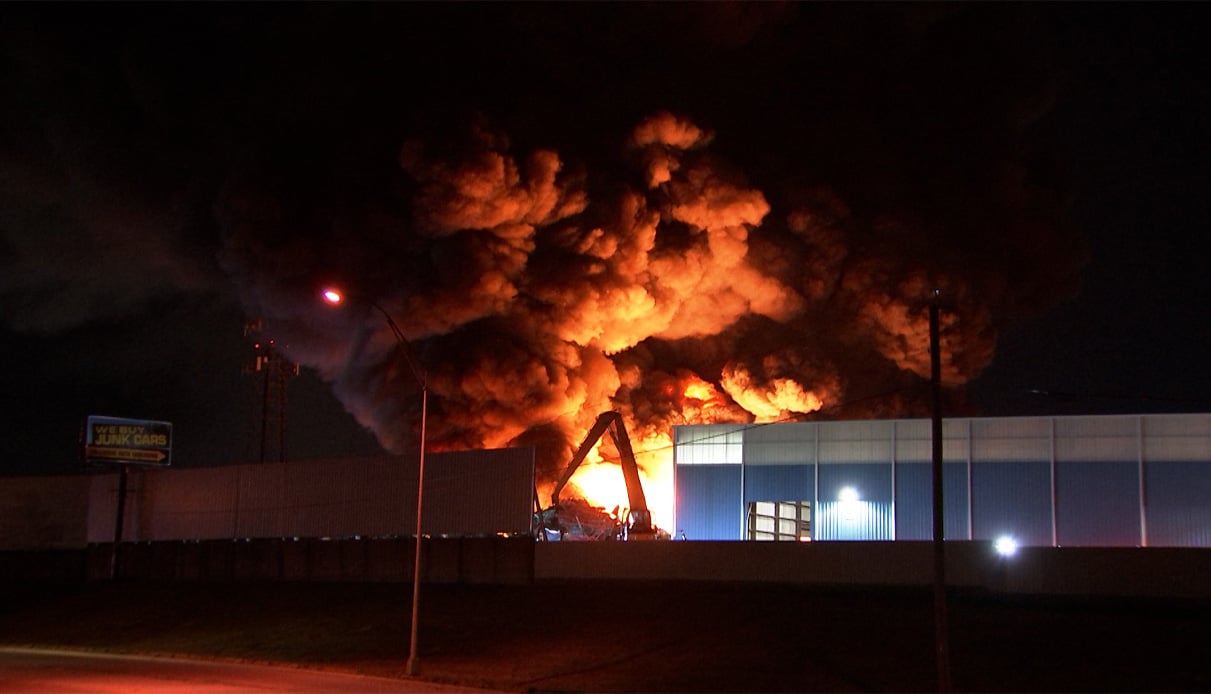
(119, 521)
(413, 658)
(334, 297)
(941, 639)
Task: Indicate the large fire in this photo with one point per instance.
(599, 480)
(536, 298)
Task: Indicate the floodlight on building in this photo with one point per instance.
(848, 504)
(1006, 546)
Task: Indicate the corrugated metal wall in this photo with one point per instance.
(703, 491)
(467, 493)
(1075, 481)
(43, 512)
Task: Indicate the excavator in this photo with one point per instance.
(636, 522)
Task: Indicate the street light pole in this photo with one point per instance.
(334, 297)
(413, 658)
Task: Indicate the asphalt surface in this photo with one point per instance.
(636, 636)
(39, 670)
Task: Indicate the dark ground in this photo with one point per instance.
(639, 637)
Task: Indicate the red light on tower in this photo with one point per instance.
(332, 296)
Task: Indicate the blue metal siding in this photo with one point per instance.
(1179, 511)
(868, 518)
(872, 481)
(1012, 499)
(1071, 481)
(1097, 503)
(914, 501)
(779, 483)
(709, 506)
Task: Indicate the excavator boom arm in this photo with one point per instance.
(630, 468)
(590, 439)
(608, 422)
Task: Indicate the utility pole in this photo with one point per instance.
(274, 371)
(119, 522)
(941, 638)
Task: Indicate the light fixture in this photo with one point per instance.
(1006, 546)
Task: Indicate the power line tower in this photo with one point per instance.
(270, 371)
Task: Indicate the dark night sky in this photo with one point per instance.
(1052, 155)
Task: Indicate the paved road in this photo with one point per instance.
(30, 670)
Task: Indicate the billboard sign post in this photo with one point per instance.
(125, 442)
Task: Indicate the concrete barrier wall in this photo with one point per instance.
(1106, 572)
(1144, 572)
(44, 566)
(489, 560)
(841, 563)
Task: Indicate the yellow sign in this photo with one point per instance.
(116, 440)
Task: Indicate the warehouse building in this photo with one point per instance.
(1105, 481)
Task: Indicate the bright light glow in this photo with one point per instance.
(600, 482)
(699, 391)
(1006, 546)
(332, 296)
(849, 504)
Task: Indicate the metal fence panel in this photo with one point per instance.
(471, 493)
(468, 493)
(180, 504)
(43, 512)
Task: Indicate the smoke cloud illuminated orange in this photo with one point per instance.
(676, 296)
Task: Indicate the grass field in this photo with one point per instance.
(638, 637)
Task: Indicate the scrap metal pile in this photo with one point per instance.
(575, 520)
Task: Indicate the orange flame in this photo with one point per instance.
(600, 482)
(700, 390)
